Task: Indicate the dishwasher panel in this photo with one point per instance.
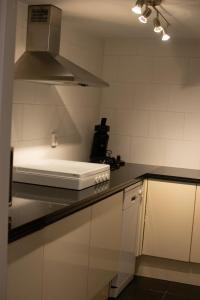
(126, 270)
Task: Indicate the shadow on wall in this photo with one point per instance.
(39, 110)
(178, 62)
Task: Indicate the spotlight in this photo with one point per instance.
(137, 9)
(157, 25)
(145, 15)
(160, 23)
(165, 36)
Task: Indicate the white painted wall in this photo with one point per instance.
(153, 105)
(7, 39)
(70, 111)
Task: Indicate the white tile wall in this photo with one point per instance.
(170, 70)
(118, 96)
(120, 144)
(153, 105)
(70, 111)
(149, 98)
(135, 69)
(147, 150)
(192, 125)
(167, 125)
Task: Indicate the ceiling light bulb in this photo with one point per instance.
(142, 19)
(158, 29)
(137, 9)
(145, 15)
(165, 36)
(157, 25)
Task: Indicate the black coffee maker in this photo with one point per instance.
(100, 142)
(99, 152)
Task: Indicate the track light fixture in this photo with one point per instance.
(143, 18)
(137, 9)
(157, 24)
(165, 35)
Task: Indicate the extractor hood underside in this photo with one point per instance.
(43, 67)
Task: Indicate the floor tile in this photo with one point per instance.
(151, 284)
(185, 290)
(143, 288)
(139, 294)
(174, 297)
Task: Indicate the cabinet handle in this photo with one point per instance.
(133, 198)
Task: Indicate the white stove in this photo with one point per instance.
(61, 173)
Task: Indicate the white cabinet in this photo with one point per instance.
(195, 248)
(25, 267)
(74, 258)
(105, 243)
(66, 257)
(169, 220)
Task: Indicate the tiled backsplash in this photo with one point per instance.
(153, 105)
(70, 111)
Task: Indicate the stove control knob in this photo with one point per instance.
(104, 177)
(96, 179)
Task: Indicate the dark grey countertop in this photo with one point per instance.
(35, 207)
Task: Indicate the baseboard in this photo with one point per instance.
(103, 294)
(167, 269)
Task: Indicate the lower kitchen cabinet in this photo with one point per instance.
(25, 268)
(105, 243)
(66, 257)
(195, 248)
(169, 220)
(74, 258)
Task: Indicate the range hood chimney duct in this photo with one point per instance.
(41, 61)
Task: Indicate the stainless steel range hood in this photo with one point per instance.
(41, 62)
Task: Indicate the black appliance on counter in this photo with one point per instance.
(99, 151)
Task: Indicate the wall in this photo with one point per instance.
(153, 105)
(70, 111)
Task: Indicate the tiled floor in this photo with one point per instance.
(143, 288)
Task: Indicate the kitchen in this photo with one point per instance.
(152, 105)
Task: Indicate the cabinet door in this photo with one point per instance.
(195, 249)
(105, 242)
(168, 221)
(25, 264)
(66, 257)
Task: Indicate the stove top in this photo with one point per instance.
(61, 173)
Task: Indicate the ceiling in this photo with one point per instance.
(114, 18)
